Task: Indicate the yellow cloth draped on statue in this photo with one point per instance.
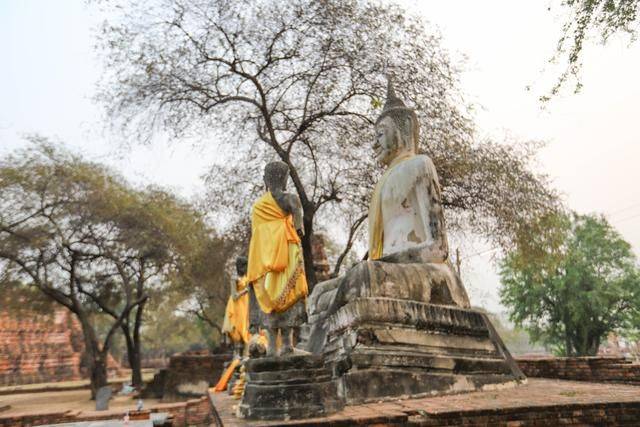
(376, 227)
(236, 315)
(275, 257)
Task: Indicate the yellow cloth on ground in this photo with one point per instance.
(376, 224)
(236, 315)
(226, 376)
(275, 258)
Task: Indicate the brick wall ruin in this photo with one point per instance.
(39, 348)
(188, 374)
(593, 369)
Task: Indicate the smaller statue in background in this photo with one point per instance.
(236, 315)
(236, 323)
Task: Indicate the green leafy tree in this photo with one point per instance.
(157, 236)
(50, 239)
(204, 284)
(87, 240)
(604, 18)
(572, 282)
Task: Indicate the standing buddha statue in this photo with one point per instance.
(276, 267)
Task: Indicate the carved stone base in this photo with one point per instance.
(289, 387)
(387, 348)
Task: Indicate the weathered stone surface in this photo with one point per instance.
(194, 412)
(385, 348)
(424, 283)
(188, 374)
(270, 364)
(374, 384)
(428, 283)
(410, 313)
(102, 398)
(432, 363)
(540, 402)
(289, 387)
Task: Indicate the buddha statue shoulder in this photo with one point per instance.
(408, 249)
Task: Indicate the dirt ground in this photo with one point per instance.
(64, 400)
(147, 375)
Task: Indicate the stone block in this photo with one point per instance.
(384, 348)
(277, 388)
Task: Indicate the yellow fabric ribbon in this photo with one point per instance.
(226, 376)
(275, 258)
(376, 224)
(236, 315)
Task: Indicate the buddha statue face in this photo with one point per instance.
(391, 141)
(386, 141)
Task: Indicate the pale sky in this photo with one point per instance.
(48, 72)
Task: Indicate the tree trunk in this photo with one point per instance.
(307, 252)
(96, 358)
(99, 373)
(133, 356)
(567, 342)
(136, 367)
(594, 345)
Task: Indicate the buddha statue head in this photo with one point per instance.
(241, 265)
(397, 129)
(275, 176)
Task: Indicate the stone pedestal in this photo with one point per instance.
(289, 387)
(388, 348)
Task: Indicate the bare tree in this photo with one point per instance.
(301, 81)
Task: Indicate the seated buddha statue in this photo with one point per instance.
(276, 266)
(408, 249)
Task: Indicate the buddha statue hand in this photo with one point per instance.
(425, 253)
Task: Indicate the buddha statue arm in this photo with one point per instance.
(440, 244)
(290, 203)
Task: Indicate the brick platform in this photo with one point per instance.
(194, 412)
(540, 402)
(594, 369)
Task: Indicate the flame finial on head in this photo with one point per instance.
(392, 99)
